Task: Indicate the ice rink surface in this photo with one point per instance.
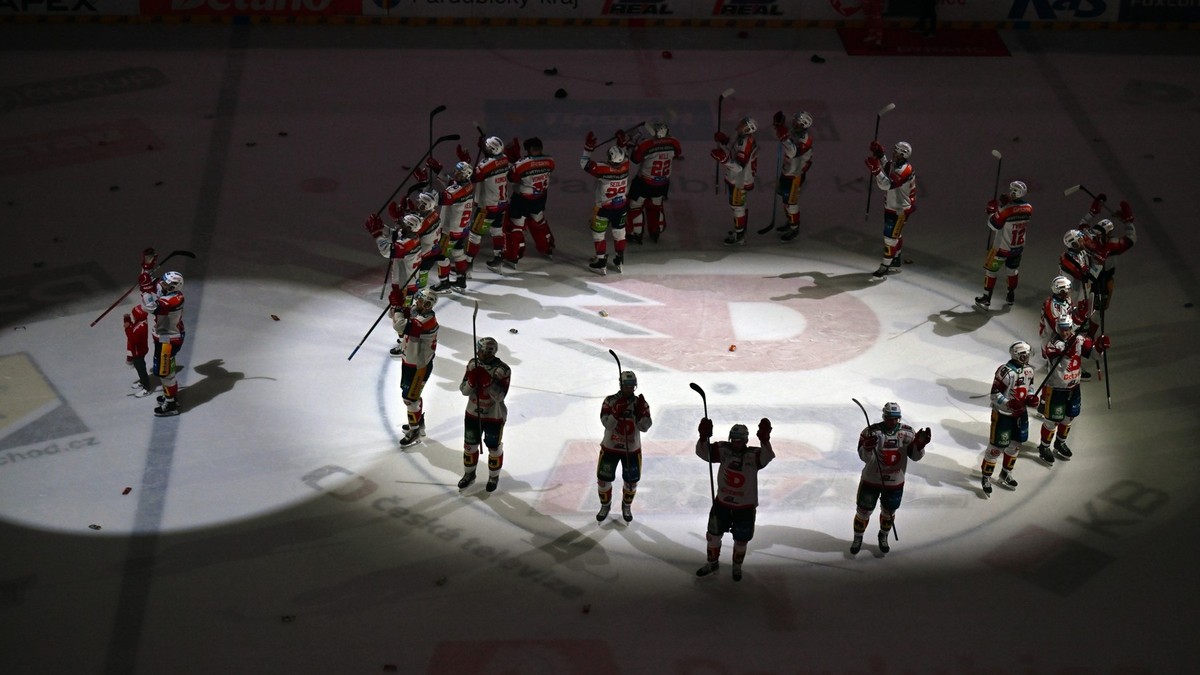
(276, 527)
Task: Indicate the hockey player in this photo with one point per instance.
(739, 157)
(418, 326)
(1103, 246)
(1059, 304)
(402, 246)
(612, 182)
(429, 236)
(1076, 264)
(491, 200)
(654, 156)
(1011, 396)
(136, 348)
(625, 417)
(885, 449)
(796, 145)
(485, 384)
(1007, 219)
(1061, 400)
(530, 178)
(457, 206)
(735, 507)
(898, 181)
(163, 300)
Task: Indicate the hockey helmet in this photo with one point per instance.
(739, 433)
(426, 201)
(493, 146)
(903, 150)
(1017, 189)
(1073, 239)
(891, 409)
(1103, 228)
(1060, 286)
(616, 154)
(486, 348)
(1064, 323)
(801, 121)
(172, 282)
(411, 222)
(628, 380)
(424, 300)
(1019, 352)
(533, 145)
(747, 126)
(658, 129)
(463, 172)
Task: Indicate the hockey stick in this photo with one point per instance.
(387, 275)
(479, 149)
(774, 202)
(995, 195)
(433, 113)
(712, 489)
(421, 162)
(614, 355)
(172, 254)
(878, 116)
(475, 348)
(385, 309)
(717, 170)
(1076, 188)
(879, 469)
(612, 138)
(1107, 384)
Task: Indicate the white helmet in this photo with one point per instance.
(411, 222)
(1103, 227)
(463, 172)
(628, 379)
(486, 348)
(616, 154)
(1064, 323)
(172, 282)
(747, 126)
(1019, 351)
(658, 129)
(426, 201)
(1060, 286)
(801, 121)
(1073, 239)
(1017, 189)
(424, 300)
(493, 146)
(891, 409)
(903, 149)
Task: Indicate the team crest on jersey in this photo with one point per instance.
(747, 8)
(637, 8)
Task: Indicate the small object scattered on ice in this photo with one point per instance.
(733, 348)
(288, 618)
(513, 331)
(551, 71)
(94, 526)
(126, 490)
(743, 34)
(609, 83)
(560, 93)
(275, 318)
(603, 313)
(283, 134)
(440, 582)
(113, 188)
(817, 58)
(587, 609)
(250, 144)
(667, 54)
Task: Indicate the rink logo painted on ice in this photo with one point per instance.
(76, 145)
(487, 657)
(34, 420)
(70, 89)
(785, 323)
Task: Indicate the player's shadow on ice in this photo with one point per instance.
(217, 380)
(825, 285)
(954, 321)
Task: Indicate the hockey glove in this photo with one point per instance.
(720, 155)
(993, 206)
(1032, 401)
(479, 378)
(422, 175)
(1102, 344)
(705, 429)
(877, 150)
(721, 138)
(764, 430)
(1126, 212)
(781, 132)
(779, 120)
(146, 282)
(374, 226)
(621, 139)
(1097, 204)
(396, 296)
(462, 154)
(1016, 405)
(434, 165)
(922, 439)
(590, 142)
(868, 442)
(874, 166)
(643, 408)
(395, 212)
(513, 150)
(150, 259)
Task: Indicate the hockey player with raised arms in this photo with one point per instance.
(735, 505)
(796, 146)
(885, 449)
(485, 384)
(162, 299)
(654, 156)
(1102, 246)
(1061, 400)
(1011, 398)
(898, 180)
(625, 417)
(1008, 219)
(491, 200)
(611, 206)
(417, 325)
(739, 157)
(529, 177)
(457, 206)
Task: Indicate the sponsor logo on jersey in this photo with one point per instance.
(747, 8)
(636, 8)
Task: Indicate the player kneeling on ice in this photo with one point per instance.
(1011, 396)
(485, 384)
(735, 503)
(624, 416)
(885, 448)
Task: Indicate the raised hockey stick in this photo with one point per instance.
(717, 170)
(995, 195)
(479, 149)
(774, 202)
(387, 275)
(380, 318)
(878, 116)
(421, 162)
(434, 113)
(1107, 384)
(612, 138)
(712, 485)
(1076, 188)
(879, 467)
(172, 254)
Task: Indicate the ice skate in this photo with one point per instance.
(168, 408)
(735, 238)
(443, 286)
(618, 263)
(737, 571)
(1007, 480)
(984, 301)
(856, 545)
(894, 268)
(466, 480)
(710, 567)
(599, 265)
(398, 350)
(412, 436)
(883, 541)
(460, 283)
(627, 511)
(1045, 454)
(493, 481)
(790, 234)
(603, 512)
(510, 264)
(880, 274)
(1061, 449)
(986, 483)
(1010, 297)
(654, 237)
(140, 392)
(494, 263)
(635, 238)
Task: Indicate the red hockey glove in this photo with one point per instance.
(1097, 204)
(779, 120)
(590, 142)
(374, 226)
(409, 205)
(719, 154)
(422, 175)
(462, 154)
(146, 282)
(705, 429)
(513, 150)
(721, 138)
(781, 132)
(434, 165)
(396, 296)
(1015, 404)
(993, 206)
(479, 378)
(395, 212)
(149, 259)
(877, 150)
(874, 166)
(1032, 401)
(621, 139)
(1103, 343)
(1126, 212)
(764, 430)
(643, 408)
(869, 442)
(922, 439)
(128, 320)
